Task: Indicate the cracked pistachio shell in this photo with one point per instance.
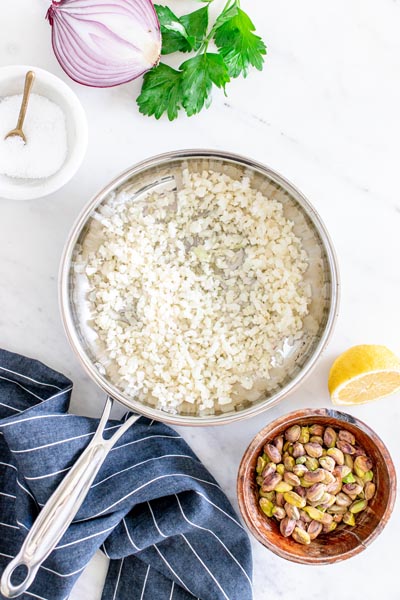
(287, 526)
(268, 470)
(270, 483)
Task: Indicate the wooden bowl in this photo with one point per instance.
(345, 541)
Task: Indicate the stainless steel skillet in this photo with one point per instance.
(322, 275)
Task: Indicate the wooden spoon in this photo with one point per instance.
(29, 79)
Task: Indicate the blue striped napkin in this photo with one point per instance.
(154, 509)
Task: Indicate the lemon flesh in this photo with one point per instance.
(362, 374)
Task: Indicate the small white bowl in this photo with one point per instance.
(48, 85)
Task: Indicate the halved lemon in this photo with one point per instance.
(364, 373)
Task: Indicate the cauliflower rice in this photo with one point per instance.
(192, 294)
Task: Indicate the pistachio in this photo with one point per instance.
(279, 499)
(318, 515)
(341, 471)
(305, 484)
(294, 499)
(291, 478)
(286, 446)
(327, 462)
(335, 509)
(298, 450)
(293, 433)
(268, 470)
(289, 463)
(266, 506)
(316, 439)
(342, 499)
(346, 436)
(278, 443)
(301, 460)
(304, 435)
(301, 525)
(337, 455)
(362, 464)
(292, 511)
(358, 480)
(330, 437)
(273, 453)
(329, 527)
(268, 495)
(316, 476)
(287, 526)
(271, 482)
(335, 486)
(369, 490)
(368, 476)
(301, 536)
(300, 491)
(348, 461)
(311, 463)
(349, 519)
(315, 493)
(260, 465)
(305, 517)
(349, 479)
(317, 430)
(338, 518)
(345, 447)
(314, 450)
(290, 449)
(327, 500)
(280, 469)
(282, 486)
(278, 512)
(358, 451)
(314, 529)
(358, 506)
(329, 478)
(299, 470)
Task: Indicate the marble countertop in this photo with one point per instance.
(325, 113)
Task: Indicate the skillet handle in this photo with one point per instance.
(61, 508)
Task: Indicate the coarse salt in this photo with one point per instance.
(46, 147)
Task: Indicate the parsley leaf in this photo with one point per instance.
(238, 45)
(198, 75)
(196, 24)
(182, 34)
(175, 38)
(161, 91)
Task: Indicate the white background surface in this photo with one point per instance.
(325, 113)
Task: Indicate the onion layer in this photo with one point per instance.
(102, 43)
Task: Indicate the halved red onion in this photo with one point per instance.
(102, 43)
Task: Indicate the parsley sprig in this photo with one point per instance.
(167, 90)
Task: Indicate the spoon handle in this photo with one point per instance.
(29, 79)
